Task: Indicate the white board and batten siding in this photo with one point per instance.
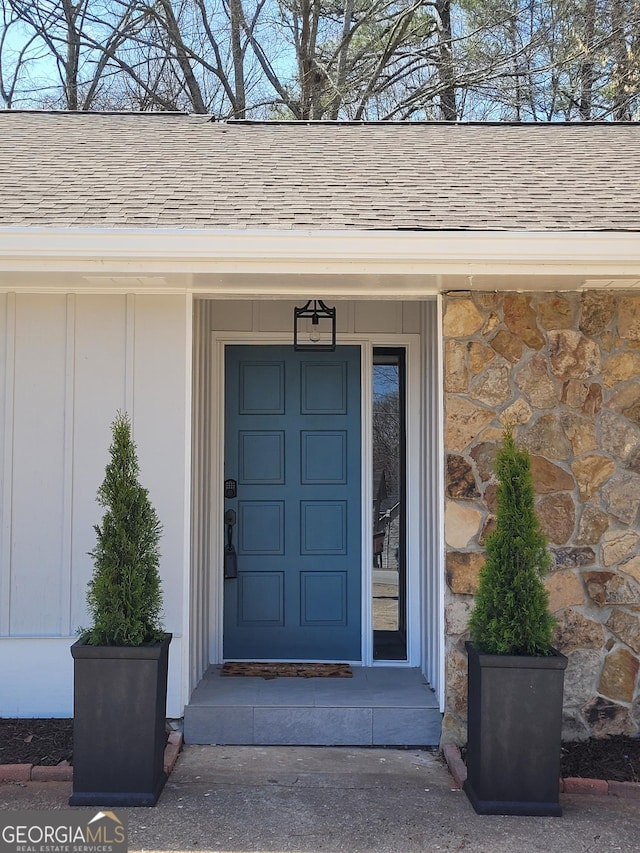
(68, 363)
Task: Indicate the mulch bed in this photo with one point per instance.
(44, 742)
(616, 759)
(50, 742)
(287, 670)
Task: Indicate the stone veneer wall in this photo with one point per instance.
(565, 368)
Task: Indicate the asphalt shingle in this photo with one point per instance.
(159, 170)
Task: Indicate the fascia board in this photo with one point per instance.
(356, 252)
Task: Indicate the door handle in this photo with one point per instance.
(230, 556)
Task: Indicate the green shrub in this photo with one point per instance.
(511, 614)
(125, 595)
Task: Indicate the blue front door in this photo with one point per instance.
(292, 443)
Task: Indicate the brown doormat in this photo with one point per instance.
(287, 670)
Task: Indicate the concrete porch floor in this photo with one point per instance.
(379, 706)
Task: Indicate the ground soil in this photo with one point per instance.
(50, 742)
(614, 758)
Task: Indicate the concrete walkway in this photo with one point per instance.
(238, 799)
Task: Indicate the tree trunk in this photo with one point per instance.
(304, 60)
(341, 73)
(173, 31)
(309, 74)
(621, 111)
(71, 60)
(513, 35)
(587, 70)
(445, 62)
(236, 17)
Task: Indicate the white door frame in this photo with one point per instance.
(414, 510)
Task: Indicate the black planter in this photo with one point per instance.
(119, 724)
(514, 733)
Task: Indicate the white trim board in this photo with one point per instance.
(433, 492)
(145, 252)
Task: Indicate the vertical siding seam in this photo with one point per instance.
(206, 485)
(188, 545)
(202, 502)
(433, 493)
(399, 317)
(256, 316)
(215, 445)
(200, 482)
(439, 491)
(198, 598)
(130, 357)
(64, 610)
(426, 526)
(201, 603)
(195, 507)
(351, 318)
(7, 491)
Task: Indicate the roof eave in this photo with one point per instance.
(146, 250)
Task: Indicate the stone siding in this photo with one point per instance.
(564, 368)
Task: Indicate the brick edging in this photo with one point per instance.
(172, 751)
(456, 765)
(569, 785)
(64, 773)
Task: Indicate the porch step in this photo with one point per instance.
(379, 706)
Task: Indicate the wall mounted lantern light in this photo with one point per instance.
(314, 327)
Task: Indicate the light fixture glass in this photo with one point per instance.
(314, 327)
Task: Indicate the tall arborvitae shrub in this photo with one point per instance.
(125, 594)
(511, 615)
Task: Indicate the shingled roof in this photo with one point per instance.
(147, 170)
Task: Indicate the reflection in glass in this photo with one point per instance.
(389, 588)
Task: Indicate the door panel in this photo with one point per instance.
(292, 426)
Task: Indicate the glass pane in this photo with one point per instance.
(388, 505)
